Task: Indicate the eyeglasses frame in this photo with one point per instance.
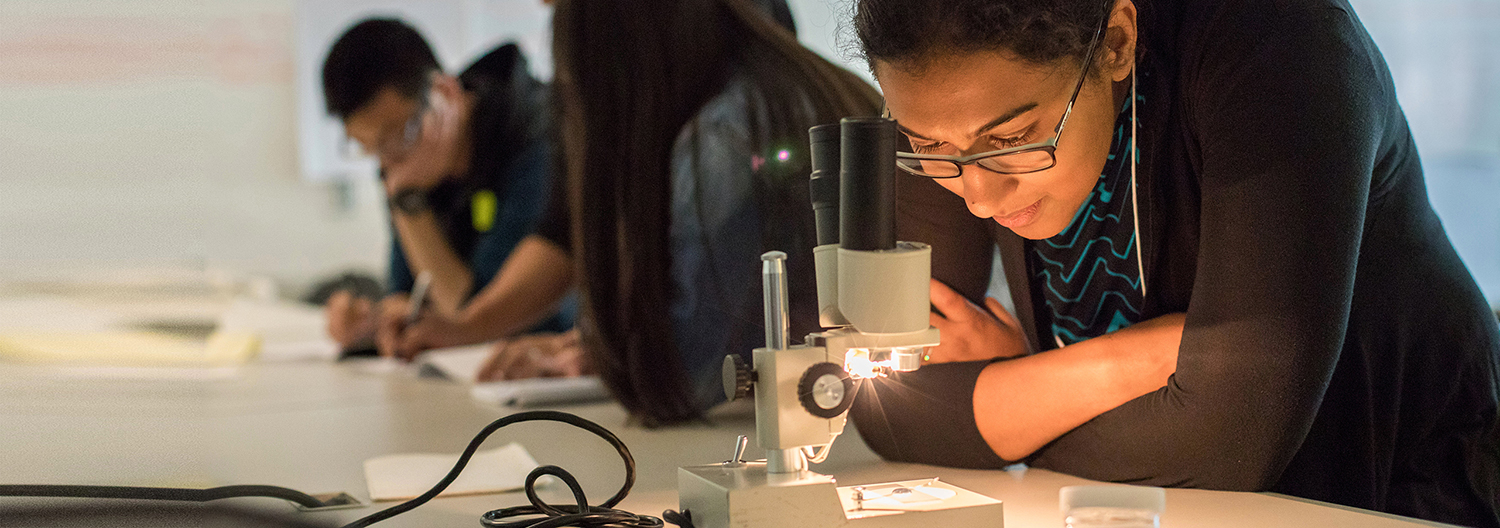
(1049, 146)
(411, 131)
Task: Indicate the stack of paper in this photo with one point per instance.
(287, 331)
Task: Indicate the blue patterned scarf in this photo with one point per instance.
(1089, 274)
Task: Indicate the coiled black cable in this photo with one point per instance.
(540, 514)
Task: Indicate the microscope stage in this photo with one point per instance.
(745, 496)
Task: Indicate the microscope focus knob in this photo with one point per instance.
(825, 390)
(737, 376)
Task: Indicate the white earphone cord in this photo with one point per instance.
(1135, 210)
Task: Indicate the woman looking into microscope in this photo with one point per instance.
(1214, 226)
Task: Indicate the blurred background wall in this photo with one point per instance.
(147, 134)
(170, 134)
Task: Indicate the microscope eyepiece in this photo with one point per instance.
(867, 180)
(824, 185)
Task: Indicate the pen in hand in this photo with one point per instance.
(418, 297)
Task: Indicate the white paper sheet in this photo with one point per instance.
(288, 331)
(455, 363)
(404, 476)
(536, 392)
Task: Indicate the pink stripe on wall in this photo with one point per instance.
(84, 50)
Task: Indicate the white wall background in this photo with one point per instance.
(459, 32)
(1445, 58)
(158, 134)
(163, 133)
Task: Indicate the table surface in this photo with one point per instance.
(309, 426)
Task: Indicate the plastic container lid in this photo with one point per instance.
(1113, 496)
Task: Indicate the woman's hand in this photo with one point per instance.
(971, 333)
(535, 356)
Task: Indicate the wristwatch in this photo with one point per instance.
(410, 201)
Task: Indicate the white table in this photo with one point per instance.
(309, 426)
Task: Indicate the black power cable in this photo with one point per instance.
(682, 519)
(540, 514)
(172, 494)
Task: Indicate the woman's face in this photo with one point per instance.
(970, 103)
(979, 102)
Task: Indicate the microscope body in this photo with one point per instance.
(873, 303)
(803, 393)
(802, 397)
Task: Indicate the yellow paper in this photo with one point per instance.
(127, 349)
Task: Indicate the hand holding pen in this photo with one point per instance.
(398, 314)
(418, 299)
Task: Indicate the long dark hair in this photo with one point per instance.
(629, 76)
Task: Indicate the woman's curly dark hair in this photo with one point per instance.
(907, 33)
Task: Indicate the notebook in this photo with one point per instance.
(462, 364)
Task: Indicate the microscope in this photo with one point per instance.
(873, 305)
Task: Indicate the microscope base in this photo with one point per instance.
(745, 496)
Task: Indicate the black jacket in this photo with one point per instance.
(1335, 348)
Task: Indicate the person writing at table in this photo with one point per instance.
(1212, 220)
(465, 162)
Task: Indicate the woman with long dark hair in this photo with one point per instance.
(681, 121)
(683, 127)
(1213, 223)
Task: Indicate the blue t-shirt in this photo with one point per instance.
(486, 213)
(493, 224)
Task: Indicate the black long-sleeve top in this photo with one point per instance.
(1335, 346)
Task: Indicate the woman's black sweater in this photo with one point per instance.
(1335, 347)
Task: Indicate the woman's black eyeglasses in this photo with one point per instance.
(1023, 159)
